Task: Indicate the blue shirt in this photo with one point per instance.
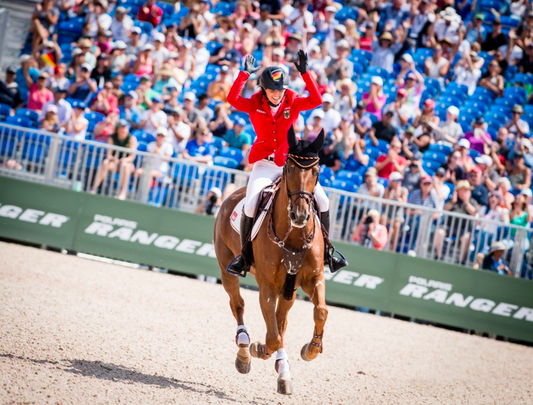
(471, 36)
(235, 141)
(21, 81)
(200, 150)
(83, 92)
(135, 114)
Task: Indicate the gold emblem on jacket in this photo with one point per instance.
(287, 114)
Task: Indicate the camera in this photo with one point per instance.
(369, 220)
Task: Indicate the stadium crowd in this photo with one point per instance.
(425, 101)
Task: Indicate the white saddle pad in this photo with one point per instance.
(236, 215)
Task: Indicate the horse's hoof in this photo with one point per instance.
(258, 350)
(303, 353)
(284, 384)
(243, 367)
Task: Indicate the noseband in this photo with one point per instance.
(306, 195)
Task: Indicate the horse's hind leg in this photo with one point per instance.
(316, 290)
(231, 285)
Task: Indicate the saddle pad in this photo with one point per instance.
(265, 200)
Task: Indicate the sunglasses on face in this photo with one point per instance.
(426, 184)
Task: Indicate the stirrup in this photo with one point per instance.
(242, 273)
(330, 260)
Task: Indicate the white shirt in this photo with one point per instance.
(160, 55)
(299, 23)
(120, 30)
(467, 77)
(442, 31)
(64, 110)
(331, 120)
(185, 131)
(157, 163)
(80, 135)
(159, 117)
(202, 59)
(208, 16)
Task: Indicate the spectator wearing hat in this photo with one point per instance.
(369, 232)
(345, 101)
(449, 130)
(505, 187)
(164, 79)
(121, 24)
(219, 88)
(336, 34)
(447, 26)
(103, 42)
(39, 95)
(528, 197)
(202, 56)
(207, 17)
(292, 45)
(97, 18)
(340, 67)
(313, 128)
(227, 51)
(200, 149)
(475, 31)
(425, 195)
(236, 137)
(50, 122)
(383, 130)
(154, 117)
(519, 216)
(406, 65)
(64, 109)
(372, 188)
(105, 100)
(144, 65)
(84, 86)
(118, 161)
(492, 212)
(392, 162)
(454, 171)
(480, 193)
(408, 146)
(76, 124)
(160, 53)
(478, 138)
(332, 118)
(212, 203)
(30, 64)
(368, 35)
(221, 123)
(129, 109)
(158, 165)
(426, 116)
(150, 12)
(192, 116)
(329, 156)
(104, 129)
(135, 42)
(489, 174)
(400, 112)
(466, 72)
(493, 79)
(145, 92)
(119, 62)
(396, 192)
(440, 186)
(524, 146)
(394, 14)
(9, 91)
(86, 46)
(494, 261)
(464, 160)
(179, 132)
(516, 126)
(461, 202)
(102, 72)
(413, 173)
(414, 86)
(519, 173)
(374, 99)
(496, 38)
(384, 49)
(437, 66)
(301, 18)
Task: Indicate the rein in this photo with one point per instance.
(293, 258)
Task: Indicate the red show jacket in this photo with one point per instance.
(272, 131)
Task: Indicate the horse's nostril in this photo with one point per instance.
(293, 216)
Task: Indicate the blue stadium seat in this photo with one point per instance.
(225, 162)
(437, 157)
(232, 153)
(144, 137)
(344, 186)
(218, 143)
(168, 9)
(5, 110)
(509, 22)
(383, 181)
(145, 26)
(131, 78)
(377, 71)
(213, 48)
(346, 175)
(473, 153)
(224, 9)
(19, 121)
(347, 13)
(326, 176)
(7, 147)
(372, 151)
(430, 166)
(95, 116)
(32, 115)
(363, 54)
(142, 146)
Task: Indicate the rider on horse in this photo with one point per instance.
(273, 110)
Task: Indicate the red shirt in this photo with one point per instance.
(153, 16)
(272, 131)
(386, 170)
(38, 98)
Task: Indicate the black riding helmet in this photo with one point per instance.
(274, 78)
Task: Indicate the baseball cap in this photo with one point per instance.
(426, 178)
(479, 121)
(395, 176)
(189, 96)
(331, 9)
(216, 191)
(122, 123)
(157, 99)
(136, 30)
(77, 52)
(402, 92)
(224, 69)
(430, 103)
(202, 38)
(410, 75)
(159, 37)
(11, 69)
(133, 94)
(24, 58)
(121, 10)
(484, 160)
(463, 184)
(161, 131)
(51, 108)
(341, 29)
(45, 74)
(319, 114)
(407, 57)
(147, 47)
(527, 192)
(464, 143)
(417, 156)
(79, 104)
(327, 98)
(279, 52)
(119, 45)
(87, 67)
(239, 121)
(377, 80)
(365, 122)
(453, 110)
(343, 44)
(476, 169)
(527, 144)
(517, 108)
(360, 104)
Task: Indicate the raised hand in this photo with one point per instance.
(249, 65)
(301, 65)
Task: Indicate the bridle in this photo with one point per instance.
(300, 194)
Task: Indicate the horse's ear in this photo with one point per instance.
(291, 137)
(318, 142)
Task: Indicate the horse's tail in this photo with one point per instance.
(288, 288)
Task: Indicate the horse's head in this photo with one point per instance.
(301, 173)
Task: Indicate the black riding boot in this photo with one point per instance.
(241, 264)
(334, 263)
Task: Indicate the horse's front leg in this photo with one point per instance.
(267, 300)
(316, 290)
(282, 359)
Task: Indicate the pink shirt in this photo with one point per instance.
(146, 69)
(371, 107)
(38, 98)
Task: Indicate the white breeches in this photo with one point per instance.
(264, 173)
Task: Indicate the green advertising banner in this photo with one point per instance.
(429, 290)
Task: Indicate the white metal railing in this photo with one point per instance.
(62, 161)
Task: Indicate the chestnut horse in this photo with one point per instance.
(291, 224)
